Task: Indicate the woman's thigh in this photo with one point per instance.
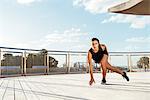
(104, 62)
(104, 59)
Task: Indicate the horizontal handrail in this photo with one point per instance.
(123, 52)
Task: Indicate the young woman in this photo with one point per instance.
(99, 54)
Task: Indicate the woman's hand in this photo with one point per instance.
(91, 81)
(91, 68)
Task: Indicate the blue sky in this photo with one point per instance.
(70, 25)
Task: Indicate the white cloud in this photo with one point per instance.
(26, 2)
(135, 44)
(138, 43)
(70, 35)
(131, 48)
(139, 40)
(134, 21)
(69, 39)
(120, 18)
(96, 6)
(101, 6)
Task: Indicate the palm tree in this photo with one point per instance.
(143, 63)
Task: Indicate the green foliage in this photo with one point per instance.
(32, 59)
(143, 62)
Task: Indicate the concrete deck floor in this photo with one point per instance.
(75, 87)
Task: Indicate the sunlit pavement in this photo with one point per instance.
(75, 87)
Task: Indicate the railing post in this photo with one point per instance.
(131, 63)
(87, 65)
(128, 61)
(25, 63)
(149, 63)
(0, 63)
(22, 63)
(47, 64)
(68, 65)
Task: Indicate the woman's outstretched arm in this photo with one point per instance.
(91, 68)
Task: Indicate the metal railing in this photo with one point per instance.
(19, 61)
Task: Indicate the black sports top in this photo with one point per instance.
(97, 57)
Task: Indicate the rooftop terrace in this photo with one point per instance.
(75, 87)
